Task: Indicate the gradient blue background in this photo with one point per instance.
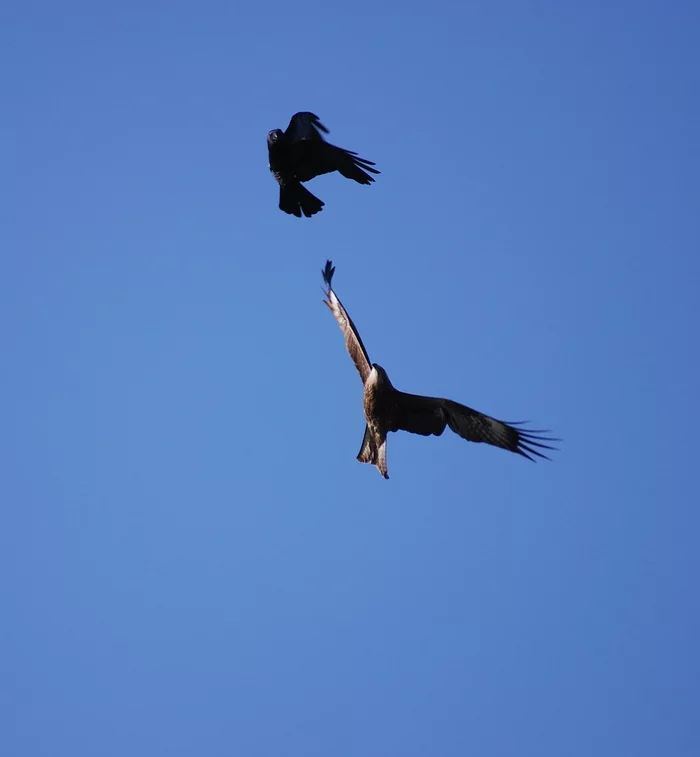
(191, 560)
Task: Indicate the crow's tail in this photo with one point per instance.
(296, 199)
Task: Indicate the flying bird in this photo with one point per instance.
(300, 153)
(387, 409)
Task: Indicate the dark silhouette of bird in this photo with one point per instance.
(300, 153)
(387, 409)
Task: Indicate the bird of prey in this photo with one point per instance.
(300, 153)
(388, 409)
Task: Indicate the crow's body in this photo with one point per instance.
(300, 153)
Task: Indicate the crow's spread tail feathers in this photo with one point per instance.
(296, 199)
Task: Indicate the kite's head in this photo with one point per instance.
(382, 379)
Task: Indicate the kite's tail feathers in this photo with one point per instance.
(381, 458)
(367, 453)
(371, 453)
(296, 199)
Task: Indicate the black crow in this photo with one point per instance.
(300, 153)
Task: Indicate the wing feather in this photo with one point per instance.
(430, 415)
(305, 125)
(318, 158)
(313, 156)
(353, 342)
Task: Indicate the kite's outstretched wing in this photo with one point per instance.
(353, 342)
(430, 415)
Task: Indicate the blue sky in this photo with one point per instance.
(191, 560)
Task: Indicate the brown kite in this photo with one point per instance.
(387, 409)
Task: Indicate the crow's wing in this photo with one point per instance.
(304, 125)
(315, 158)
(430, 415)
(353, 342)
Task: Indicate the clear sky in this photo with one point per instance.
(192, 562)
